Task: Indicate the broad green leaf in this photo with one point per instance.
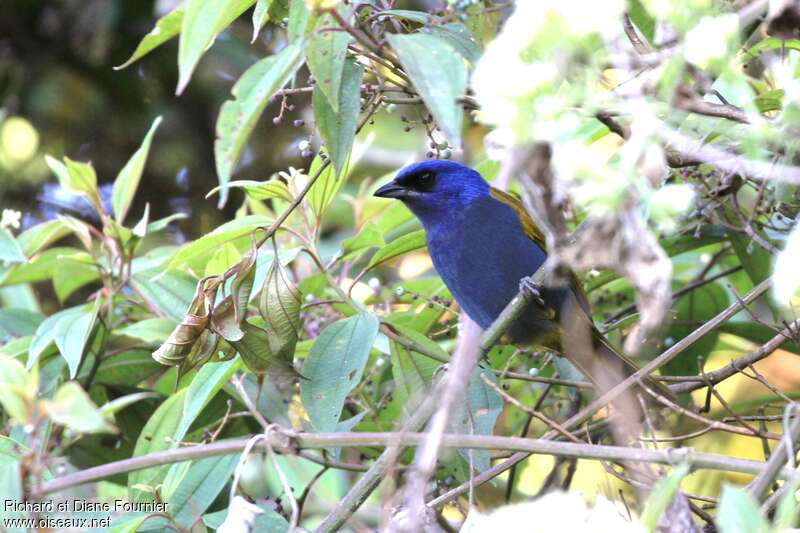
(118, 404)
(17, 388)
(458, 36)
(402, 245)
(738, 512)
(368, 236)
(73, 272)
(71, 407)
(787, 510)
(412, 372)
(256, 351)
(334, 366)
(205, 246)
(42, 235)
(224, 258)
(165, 29)
(661, 495)
(691, 310)
(238, 117)
(170, 293)
(150, 330)
(205, 385)
(478, 415)
(439, 76)
(260, 17)
(10, 250)
(156, 436)
(338, 127)
(16, 322)
(259, 190)
(72, 334)
(128, 178)
(325, 57)
(127, 368)
(301, 21)
(421, 17)
(199, 488)
(46, 332)
(40, 268)
(393, 216)
(78, 178)
(202, 21)
(643, 20)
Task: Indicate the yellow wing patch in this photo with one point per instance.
(528, 225)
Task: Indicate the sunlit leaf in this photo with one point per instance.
(259, 190)
(128, 178)
(337, 127)
(72, 334)
(738, 512)
(165, 29)
(368, 236)
(71, 407)
(325, 56)
(10, 250)
(206, 245)
(17, 388)
(439, 75)
(238, 117)
(202, 20)
(334, 366)
(205, 385)
(402, 245)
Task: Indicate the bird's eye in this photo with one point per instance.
(425, 180)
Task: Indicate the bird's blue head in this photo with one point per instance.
(435, 190)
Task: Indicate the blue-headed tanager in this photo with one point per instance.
(483, 245)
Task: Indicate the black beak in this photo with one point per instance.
(392, 190)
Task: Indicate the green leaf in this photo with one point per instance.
(41, 236)
(151, 330)
(46, 332)
(334, 366)
(194, 252)
(78, 178)
(170, 292)
(73, 273)
(368, 236)
(738, 512)
(478, 415)
(691, 310)
(439, 76)
(661, 495)
(238, 117)
(202, 21)
(458, 36)
(260, 17)
(128, 178)
(338, 127)
(72, 334)
(256, 351)
(165, 29)
(643, 21)
(156, 436)
(279, 306)
(301, 21)
(10, 250)
(400, 246)
(259, 190)
(206, 384)
(416, 16)
(16, 322)
(412, 372)
(325, 57)
(17, 388)
(200, 487)
(71, 407)
(787, 510)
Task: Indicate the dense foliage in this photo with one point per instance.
(262, 370)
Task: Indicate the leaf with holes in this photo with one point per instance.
(334, 366)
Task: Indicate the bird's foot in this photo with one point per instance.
(533, 289)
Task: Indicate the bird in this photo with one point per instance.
(485, 247)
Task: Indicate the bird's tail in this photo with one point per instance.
(611, 360)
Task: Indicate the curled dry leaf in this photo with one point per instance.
(184, 339)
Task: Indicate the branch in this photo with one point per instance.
(740, 363)
(277, 440)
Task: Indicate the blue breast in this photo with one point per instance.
(481, 255)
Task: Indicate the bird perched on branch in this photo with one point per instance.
(484, 246)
